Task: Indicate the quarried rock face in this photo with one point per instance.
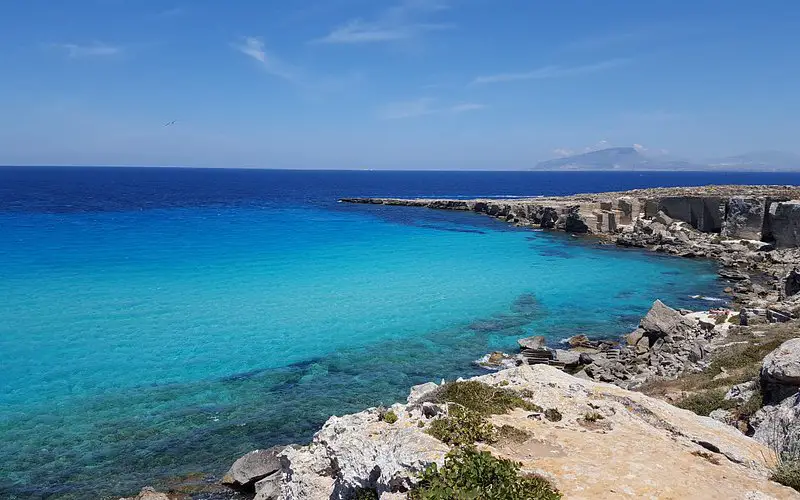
(744, 218)
(784, 223)
(703, 213)
(632, 446)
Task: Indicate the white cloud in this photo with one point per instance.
(467, 106)
(401, 22)
(254, 47)
(563, 152)
(173, 12)
(425, 106)
(95, 49)
(552, 72)
(407, 109)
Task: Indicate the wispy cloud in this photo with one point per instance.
(606, 40)
(548, 72)
(407, 20)
(95, 49)
(254, 47)
(173, 12)
(425, 106)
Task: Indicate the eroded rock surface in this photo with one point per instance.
(638, 447)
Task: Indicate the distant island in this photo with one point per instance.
(632, 158)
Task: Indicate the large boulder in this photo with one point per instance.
(664, 321)
(536, 343)
(361, 451)
(780, 371)
(253, 467)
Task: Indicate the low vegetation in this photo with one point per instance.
(705, 402)
(592, 416)
(510, 434)
(481, 398)
(366, 494)
(553, 415)
(787, 472)
(471, 474)
(470, 405)
(706, 455)
(463, 426)
(389, 417)
(736, 364)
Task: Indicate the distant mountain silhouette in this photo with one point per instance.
(614, 159)
(628, 158)
(767, 159)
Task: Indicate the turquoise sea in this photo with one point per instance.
(155, 323)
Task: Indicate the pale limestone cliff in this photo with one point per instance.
(635, 446)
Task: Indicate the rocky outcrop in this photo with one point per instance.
(666, 344)
(633, 446)
(780, 371)
(760, 213)
(778, 426)
(252, 468)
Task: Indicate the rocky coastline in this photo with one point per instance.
(616, 434)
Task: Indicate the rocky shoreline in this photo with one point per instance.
(610, 440)
(753, 232)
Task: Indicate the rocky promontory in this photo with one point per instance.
(588, 440)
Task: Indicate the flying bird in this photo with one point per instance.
(170, 123)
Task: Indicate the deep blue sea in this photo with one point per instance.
(158, 322)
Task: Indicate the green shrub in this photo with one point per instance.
(749, 407)
(553, 415)
(592, 416)
(469, 474)
(462, 426)
(788, 473)
(705, 402)
(482, 398)
(389, 417)
(366, 494)
(511, 434)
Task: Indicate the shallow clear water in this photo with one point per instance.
(159, 335)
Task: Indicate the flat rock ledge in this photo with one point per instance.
(639, 447)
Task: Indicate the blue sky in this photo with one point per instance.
(491, 84)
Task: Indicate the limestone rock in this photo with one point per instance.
(742, 392)
(744, 218)
(784, 223)
(778, 425)
(535, 343)
(780, 371)
(663, 321)
(360, 451)
(645, 448)
(148, 493)
(418, 392)
(269, 488)
(253, 467)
